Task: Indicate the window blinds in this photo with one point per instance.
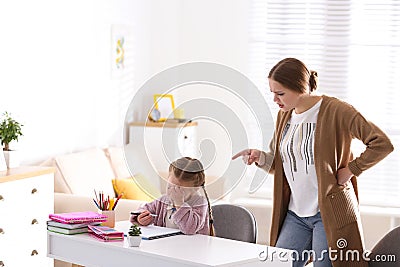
(355, 48)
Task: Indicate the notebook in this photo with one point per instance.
(149, 232)
(78, 217)
(70, 225)
(67, 231)
(153, 232)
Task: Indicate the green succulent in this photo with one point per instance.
(134, 230)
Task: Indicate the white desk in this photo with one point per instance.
(174, 251)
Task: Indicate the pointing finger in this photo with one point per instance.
(241, 153)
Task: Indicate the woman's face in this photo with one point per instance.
(285, 98)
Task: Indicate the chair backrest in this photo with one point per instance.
(234, 222)
(388, 246)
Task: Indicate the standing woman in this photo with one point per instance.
(315, 210)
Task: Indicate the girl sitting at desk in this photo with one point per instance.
(182, 207)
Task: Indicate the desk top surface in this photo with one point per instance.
(200, 250)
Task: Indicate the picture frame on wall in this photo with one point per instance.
(165, 105)
(122, 47)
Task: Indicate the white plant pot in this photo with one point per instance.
(134, 241)
(12, 158)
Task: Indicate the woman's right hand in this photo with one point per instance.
(144, 218)
(249, 156)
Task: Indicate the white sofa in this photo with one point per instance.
(79, 174)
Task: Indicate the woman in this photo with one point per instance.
(315, 210)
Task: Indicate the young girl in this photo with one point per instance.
(183, 206)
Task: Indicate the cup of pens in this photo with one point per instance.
(106, 206)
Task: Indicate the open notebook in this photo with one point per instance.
(148, 232)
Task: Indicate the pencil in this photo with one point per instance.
(97, 205)
(95, 194)
(138, 213)
(115, 204)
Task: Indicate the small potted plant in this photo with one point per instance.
(134, 237)
(10, 130)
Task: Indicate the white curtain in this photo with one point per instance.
(355, 48)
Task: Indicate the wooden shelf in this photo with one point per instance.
(163, 124)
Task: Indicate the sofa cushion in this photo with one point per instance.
(60, 186)
(85, 171)
(129, 189)
(118, 162)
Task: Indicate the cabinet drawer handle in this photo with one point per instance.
(2, 264)
(34, 252)
(1, 199)
(2, 231)
(34, 190)
(34, 221)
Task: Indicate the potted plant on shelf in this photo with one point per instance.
(134, 237)
(10, 130)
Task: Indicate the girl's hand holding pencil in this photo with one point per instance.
(144, 217)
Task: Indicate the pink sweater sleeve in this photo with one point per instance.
(191, 218)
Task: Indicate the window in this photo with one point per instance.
(355, 48)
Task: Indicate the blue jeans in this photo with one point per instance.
(305, 235)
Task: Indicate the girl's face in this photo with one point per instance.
(179, 191)
(285, 98)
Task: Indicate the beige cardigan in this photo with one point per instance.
(337, 124)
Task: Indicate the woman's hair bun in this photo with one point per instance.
(313, 81)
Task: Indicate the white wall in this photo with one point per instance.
(52, 75)
(55, 64)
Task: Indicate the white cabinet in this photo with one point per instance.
(26, 199)
(164, 142)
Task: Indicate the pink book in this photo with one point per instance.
(105, 238)
(78, 217)
(105, 233)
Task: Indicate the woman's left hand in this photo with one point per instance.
(343, 176)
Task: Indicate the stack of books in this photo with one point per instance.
(74, 222)
(105, 233)
(68, 229)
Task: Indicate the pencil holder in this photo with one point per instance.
(110, 218)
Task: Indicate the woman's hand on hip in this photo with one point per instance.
(249, 156)
(343, 176)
